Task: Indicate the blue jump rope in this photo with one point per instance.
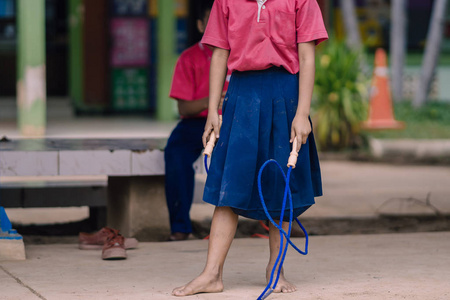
(287, 194)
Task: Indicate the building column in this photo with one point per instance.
(31, 87)
(166, 53)
(76, 15)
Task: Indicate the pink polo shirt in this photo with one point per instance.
(191, 76)
(265, 34)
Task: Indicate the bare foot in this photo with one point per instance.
(202, 284)
(283, 286)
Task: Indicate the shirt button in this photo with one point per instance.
(264, 7)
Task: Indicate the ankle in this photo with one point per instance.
(215, 274)
(270, 267)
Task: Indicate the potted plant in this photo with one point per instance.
(340, 96)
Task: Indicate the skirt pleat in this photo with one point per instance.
(257, 115)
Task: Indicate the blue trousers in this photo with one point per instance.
(183, 148)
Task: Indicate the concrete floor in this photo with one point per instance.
(391, 266)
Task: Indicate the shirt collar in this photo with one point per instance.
(260, 5)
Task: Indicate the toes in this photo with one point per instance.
(285, 288)
(179, 291)
(288, 289)
(175, 292)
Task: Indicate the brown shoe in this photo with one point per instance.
(95, 241)
(114, 248)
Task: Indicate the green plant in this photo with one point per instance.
(340, 94)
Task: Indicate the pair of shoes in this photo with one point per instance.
(114, 247)
(95, 241)
(178, 236)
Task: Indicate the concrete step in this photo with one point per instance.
(11, 243)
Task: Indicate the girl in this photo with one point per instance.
(269, 46)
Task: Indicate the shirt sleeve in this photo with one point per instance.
(183, 82)
(309, 22)
(216, 33)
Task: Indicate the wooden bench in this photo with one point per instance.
(134, 191)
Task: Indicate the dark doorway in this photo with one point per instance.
(56, 47)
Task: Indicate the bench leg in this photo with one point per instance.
(137, 207)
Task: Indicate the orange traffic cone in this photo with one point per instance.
(381, 115)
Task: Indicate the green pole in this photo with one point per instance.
(165, 109)
(76, 52)
(31, 87)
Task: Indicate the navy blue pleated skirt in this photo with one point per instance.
(257, 115)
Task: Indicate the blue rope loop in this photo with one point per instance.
(283, 250)
(283, 234)
(266, 294)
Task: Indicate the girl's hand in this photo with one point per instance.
(301, 128)
(212, 125)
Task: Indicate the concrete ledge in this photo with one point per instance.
(11, 243)
(417, 149)
(11, 249)
(56, 157)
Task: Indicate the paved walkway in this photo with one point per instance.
(392, 266)
(361, 190)
(368, 190)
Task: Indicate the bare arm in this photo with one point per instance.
(217, 76)
(301, 127)
(192, 108)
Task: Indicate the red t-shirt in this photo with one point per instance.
(260, 36)
(191, 76)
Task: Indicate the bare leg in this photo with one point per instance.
(223, 229)
(274, 243)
